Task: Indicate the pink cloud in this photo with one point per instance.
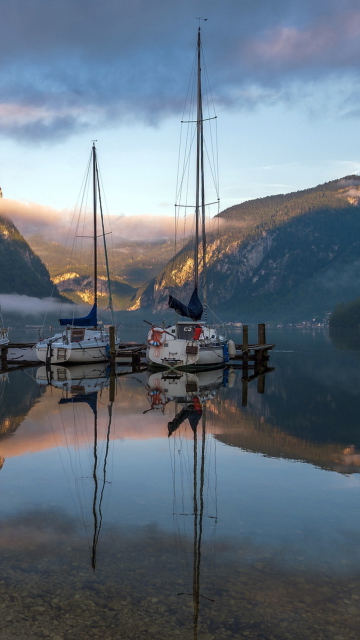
(333, 41)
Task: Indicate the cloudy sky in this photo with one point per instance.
(284, 76)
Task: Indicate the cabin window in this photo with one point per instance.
(186, 331)
(77, 335)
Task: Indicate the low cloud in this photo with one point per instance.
(26, 305)
(33, 219)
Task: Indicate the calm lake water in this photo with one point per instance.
(175, 511)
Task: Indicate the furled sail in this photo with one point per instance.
(193, 310)
(193, 414)
(88, 321)
(89, 398)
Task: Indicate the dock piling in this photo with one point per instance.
(112, 344)
(4, 360)
(261, 334)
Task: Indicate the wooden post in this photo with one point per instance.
(112, 344)
(4, 362)
(261, 384)
(261, 334)
(135, 361)
(245, 349)
(112, 356)
(258, 360)
(245, 337)
(112, 386)
(244, 392)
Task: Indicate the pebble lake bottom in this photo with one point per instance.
(242, 525)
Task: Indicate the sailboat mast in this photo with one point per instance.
(198, 160)
(95, 221)
(203, 230)
(200, 182)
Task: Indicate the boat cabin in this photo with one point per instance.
(189, 330)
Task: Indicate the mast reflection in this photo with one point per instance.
(82, 385)
(190, 392)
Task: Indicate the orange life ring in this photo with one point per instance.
(157, 398)
(156, 337)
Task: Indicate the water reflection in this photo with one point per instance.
(190, 393)
(167, 485)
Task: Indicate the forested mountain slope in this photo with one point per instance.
(282, 257)
(21, 271)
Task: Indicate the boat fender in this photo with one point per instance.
(231, 378)
(156, 337)
(231, 348)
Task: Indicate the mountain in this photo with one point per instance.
(80, 289)
(22, 271)
(279, 258)
(131, 262)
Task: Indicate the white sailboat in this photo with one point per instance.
(84, 339)
(191, 343)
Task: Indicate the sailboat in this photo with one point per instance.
(191, 343)
(84, 339)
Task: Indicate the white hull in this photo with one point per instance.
(72, 353)
(94, 347)
(26, 353)
(178, 352)
(176, 356)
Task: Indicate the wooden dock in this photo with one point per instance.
(247, 356)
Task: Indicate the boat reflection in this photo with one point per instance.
(85, 378)
(183, 387)
(82, 384)
(191, 392)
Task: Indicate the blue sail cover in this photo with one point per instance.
(193, 310)
(190, 413)
(88, 398)
(88, 321)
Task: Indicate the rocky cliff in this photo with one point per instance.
(276, 258)
(22, 271)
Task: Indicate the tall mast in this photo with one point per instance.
(200, 185)
(95, 225)
(198, 159)
(203, 231)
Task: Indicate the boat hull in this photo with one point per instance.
(174, 356)
(58, 353)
